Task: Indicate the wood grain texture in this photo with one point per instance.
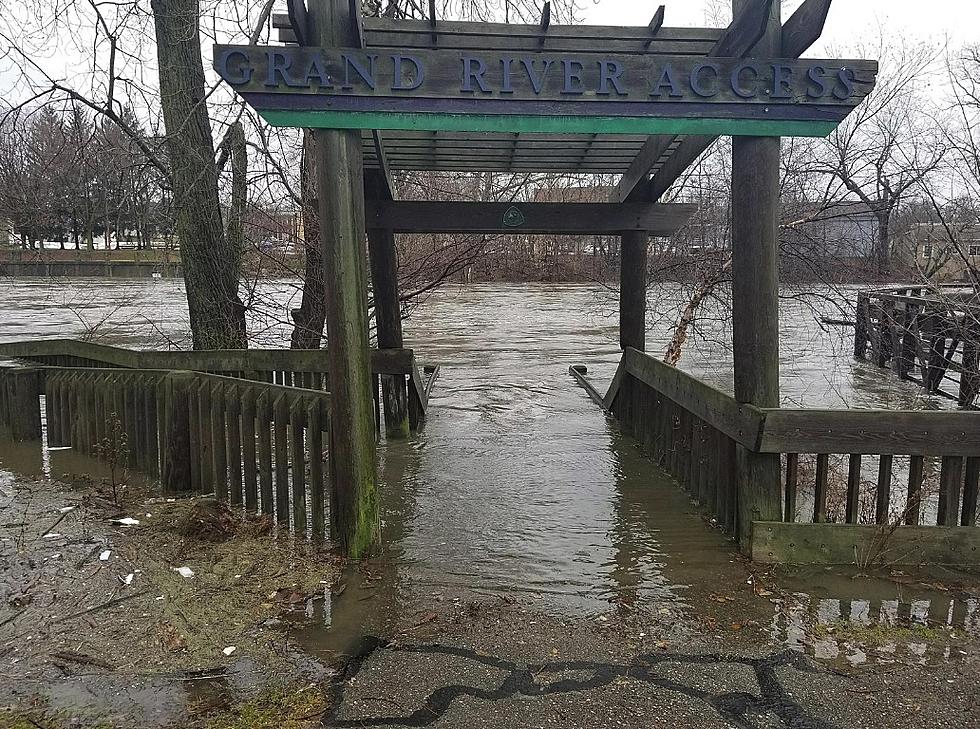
(839, 544)
(533, 218)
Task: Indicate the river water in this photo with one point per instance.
(519, 484)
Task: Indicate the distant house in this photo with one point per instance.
(275, 231)
(944, 254)
(844, 230)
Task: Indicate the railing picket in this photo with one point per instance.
(852, 512)
(219, 445)
(281, 426)
(69, 412)
(297, 422)
(314, 445)
(204, 425)
(971, 489)
(249, 469)
(913, 506)
(264, 424)
(233, 406)
(820, 489)
(884, 490)
(194, 424)
(50, 395)
(153, 429)
(792, 486)
(950, 481)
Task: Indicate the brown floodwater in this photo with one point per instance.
(519, 485)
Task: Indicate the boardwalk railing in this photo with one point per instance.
(694, 431)
(306, 369)
(927, 335)
(254, 445)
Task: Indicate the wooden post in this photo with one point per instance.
(340, 182)
(910, 340)
(387, 310)
(23, 404)
(755, 295)
(861, 326)
(971, 363)
(633, 290)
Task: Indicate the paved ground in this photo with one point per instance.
(507, 667)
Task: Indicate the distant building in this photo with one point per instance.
(844, 230)
(944, 254)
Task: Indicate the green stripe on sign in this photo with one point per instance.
(545, 124)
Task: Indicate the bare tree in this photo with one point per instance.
(890, 144)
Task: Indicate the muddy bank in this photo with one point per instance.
(107, 622)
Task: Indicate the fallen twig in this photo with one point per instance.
(57, 521)
(81, 658)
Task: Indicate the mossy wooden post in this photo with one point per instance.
(755, 296)
(176, 438)
(633, 290)
(387, 310)
(340, 177)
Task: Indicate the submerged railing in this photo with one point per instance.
(251, 427)
(257, 446)
(927, 335)
(305, 369)
(694, 431)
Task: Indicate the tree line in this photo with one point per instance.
(70, 177)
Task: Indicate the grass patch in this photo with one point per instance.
(881, 634)
(275, 708)
(13, 719)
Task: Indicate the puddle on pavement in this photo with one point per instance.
(837, 616)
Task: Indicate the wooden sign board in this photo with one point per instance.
(443, 90)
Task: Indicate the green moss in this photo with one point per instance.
(275, 708)
(881, 634)
(14, 719)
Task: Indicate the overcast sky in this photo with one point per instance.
(849, 21)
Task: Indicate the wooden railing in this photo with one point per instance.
(257, 446)
(926, 335)
(694, 431)
(306, 369)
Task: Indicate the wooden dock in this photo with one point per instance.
(930, 336)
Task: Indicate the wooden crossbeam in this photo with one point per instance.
(805, 27)
(657, 23)
(405, 216)
(297, 21)
(800, 32)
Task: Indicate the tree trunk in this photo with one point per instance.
(309, 318)
(883, 249)
(211, 260)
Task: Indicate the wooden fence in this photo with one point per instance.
(257, 446)
(306, 369)
(694, 431)
(929, 336)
